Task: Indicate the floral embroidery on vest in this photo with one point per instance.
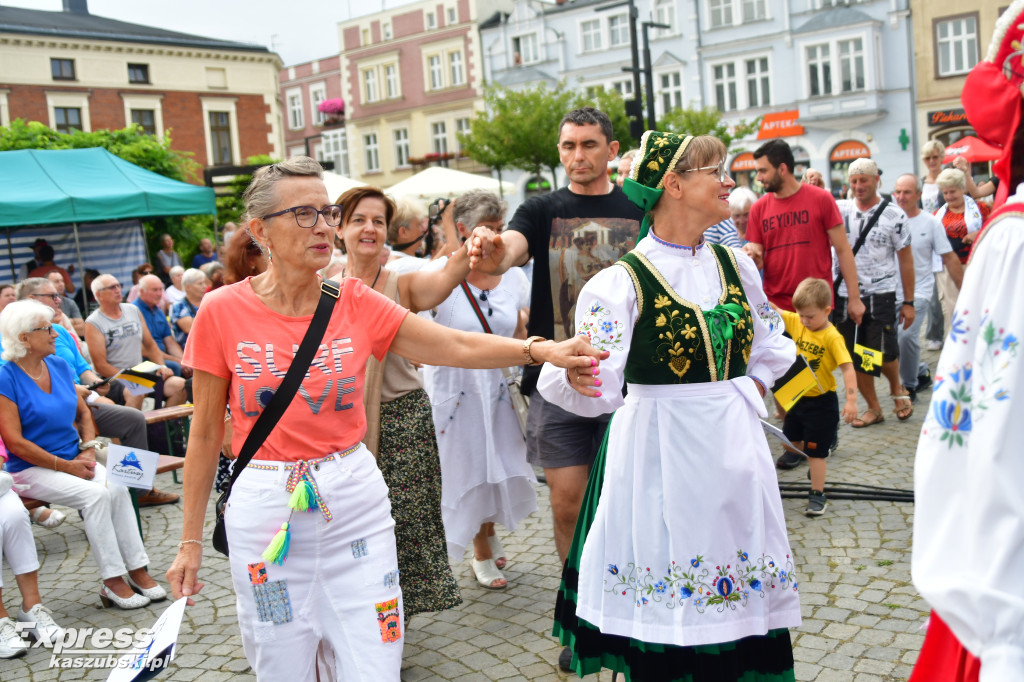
(694, 583)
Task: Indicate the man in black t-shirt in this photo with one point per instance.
(569, 233)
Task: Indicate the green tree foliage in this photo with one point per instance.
(519, 128)
(708, 121)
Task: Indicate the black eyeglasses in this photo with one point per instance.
(483, 299)
(48, 329)
(306, 216)
(54, 297)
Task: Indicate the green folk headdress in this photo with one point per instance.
(659, 154)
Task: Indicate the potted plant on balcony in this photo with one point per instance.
(333, 111)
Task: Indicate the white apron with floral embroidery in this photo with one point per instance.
(969, 469)
(689, 542)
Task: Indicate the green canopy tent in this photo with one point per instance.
(71, 186)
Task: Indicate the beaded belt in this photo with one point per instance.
(305, 497)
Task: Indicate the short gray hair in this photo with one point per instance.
(260, 197)
(478, 205)
(951, 178)
(407, 211)
(209, 268)
(740, 198)
(176, 270)
(193, 276)
(917, 181)
(98, 283)
(30, 286)
(16, 319)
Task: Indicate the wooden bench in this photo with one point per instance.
(167, 416)
(166, 463)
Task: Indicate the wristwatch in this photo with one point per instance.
(910, 303)
(527, 344)
(88, 444)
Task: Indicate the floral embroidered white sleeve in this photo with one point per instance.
(969, 520)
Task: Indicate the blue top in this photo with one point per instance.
(724, 233)
(180, 309)
(66, 349)
(47, 419)
(199, 260)
(156, 321)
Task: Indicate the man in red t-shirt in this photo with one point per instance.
(791, 229)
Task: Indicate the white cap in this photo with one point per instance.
(863, 167)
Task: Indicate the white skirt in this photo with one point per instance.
(689, 543)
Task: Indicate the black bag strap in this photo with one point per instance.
(330, 291)
(476, 307)
(861, 238)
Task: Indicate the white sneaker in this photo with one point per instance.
(42, 625)
(11, 643)
(934, 345)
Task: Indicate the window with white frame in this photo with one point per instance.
(590, 35)
(455, 69)
(671, 91)
(386, 30)
(317, 94)
(819, 70)
(665, 13)
(527, 49)
(461, 128)
(436, 72)
(334, 147)
(370, 93)
(431, 20)
(956, 45)
(754, 10)
(439, 137)
(618, 30)
(758, 88)
(623, 87)
(451, 15)
(295, 118)
(401, 136)
(851, 65)
(724, 79)
(721, 12)
(371, 152)
(391, 81)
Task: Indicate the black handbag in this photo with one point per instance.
(329, 293)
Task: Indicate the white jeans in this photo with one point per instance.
(109, 516)
(339, 583)
(16, 542)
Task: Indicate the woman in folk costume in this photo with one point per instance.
(680, 568)
(969, 522)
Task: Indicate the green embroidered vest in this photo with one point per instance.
(674, 340)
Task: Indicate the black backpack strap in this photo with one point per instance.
(330, 291)
(860, 238)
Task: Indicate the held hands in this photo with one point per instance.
(83, 466)
(579, 359)
(486, 250)
(855, 309)
(184, 572)
(960, 163)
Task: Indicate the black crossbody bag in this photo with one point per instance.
(860, 240)
(329, 293)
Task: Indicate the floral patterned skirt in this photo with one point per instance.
(411, 467)
(724, 596)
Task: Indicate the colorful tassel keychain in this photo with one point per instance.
(277, 551)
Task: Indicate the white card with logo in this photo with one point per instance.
(157, 653)
(131, 467)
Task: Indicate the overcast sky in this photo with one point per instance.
(298, 30)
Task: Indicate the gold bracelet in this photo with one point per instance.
(182, 544)
(527, 345)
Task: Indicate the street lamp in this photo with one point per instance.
(634, 53)
(648, 75)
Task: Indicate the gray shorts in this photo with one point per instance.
(557, 438)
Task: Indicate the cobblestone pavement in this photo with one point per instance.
(862, 616)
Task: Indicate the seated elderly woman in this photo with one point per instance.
(7, 295)
(39, 409)
(17, 545)
(183, 312)
(740, 201)
(215, 272)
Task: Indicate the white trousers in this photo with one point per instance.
(338, 589)
(16, 542)
(109, 517)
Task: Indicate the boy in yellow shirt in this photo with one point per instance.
(813, 422)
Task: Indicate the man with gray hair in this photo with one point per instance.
(878, 230)
(67, 304)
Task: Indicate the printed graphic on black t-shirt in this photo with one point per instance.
(580, 248)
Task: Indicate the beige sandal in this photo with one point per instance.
(877, 419)
(907, 409)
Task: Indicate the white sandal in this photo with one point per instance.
(486, 573)
(51, 520)
(497, 551)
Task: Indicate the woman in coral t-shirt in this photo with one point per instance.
(339, 591)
